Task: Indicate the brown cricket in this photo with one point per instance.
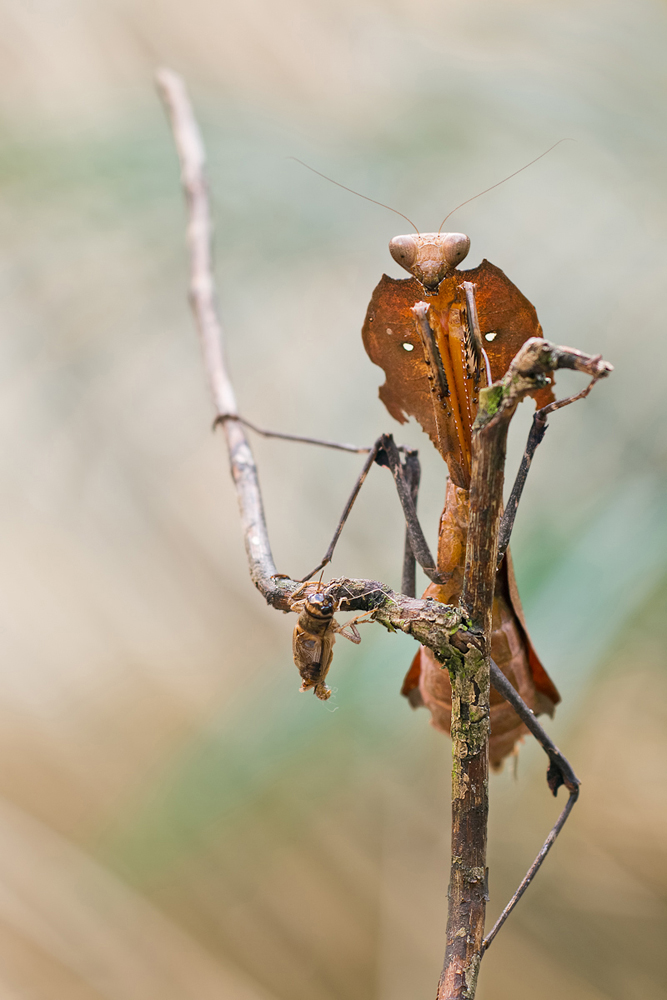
(313, 639)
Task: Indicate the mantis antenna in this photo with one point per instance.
(352, 191)
(498, 183)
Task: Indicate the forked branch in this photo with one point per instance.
(458, 636)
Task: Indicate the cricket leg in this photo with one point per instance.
(535, 436)
(559, 773)
(354, 631)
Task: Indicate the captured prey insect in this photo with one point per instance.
(314, 636)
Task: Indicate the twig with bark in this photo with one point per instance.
(470, 692)
(458, 636)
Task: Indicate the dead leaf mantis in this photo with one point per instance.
(452, 330)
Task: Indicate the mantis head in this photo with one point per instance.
(430, 257)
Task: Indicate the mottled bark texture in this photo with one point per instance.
(471, 681)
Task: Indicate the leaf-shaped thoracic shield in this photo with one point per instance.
(391, 338)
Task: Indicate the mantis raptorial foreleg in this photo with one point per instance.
(385, 452)
(406, 475)
(535, 436)
(560, 773)
(412, 474)
(372, 455)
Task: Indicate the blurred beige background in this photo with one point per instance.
(176, 820)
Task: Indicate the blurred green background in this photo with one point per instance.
(176, 820)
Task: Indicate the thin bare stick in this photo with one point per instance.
(202, 299)
(199, 233)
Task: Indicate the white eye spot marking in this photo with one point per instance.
(389, 331)
(408, 347)
(490, 336)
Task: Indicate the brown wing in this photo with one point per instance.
(505, 311)
(549, 696)
(313, 655)
(427, 683)
(392, 342)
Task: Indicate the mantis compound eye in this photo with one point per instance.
(455, 247)
(404, 250)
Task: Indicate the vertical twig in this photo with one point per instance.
(202, 299)
(470, 721)
(471, 680)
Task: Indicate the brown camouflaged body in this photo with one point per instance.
(389, 326)
(427, 683)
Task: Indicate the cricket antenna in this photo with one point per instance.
(509, 177)
(364, 196)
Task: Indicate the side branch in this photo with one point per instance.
(202, 299)
(441, 627)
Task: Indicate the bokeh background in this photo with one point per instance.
(176, 820)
